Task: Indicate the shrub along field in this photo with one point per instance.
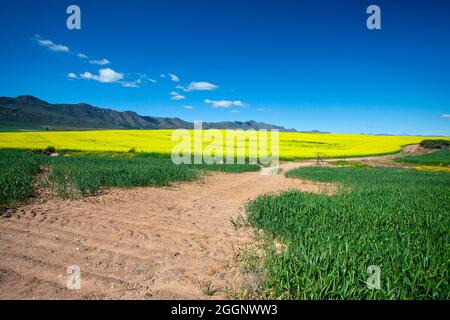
(396, 219)
(437, 158)
(86, 174)
(435, 144)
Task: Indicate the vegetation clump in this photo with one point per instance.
(48, 151)
(435, 144)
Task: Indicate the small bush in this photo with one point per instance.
(435, 144)
(49, 150)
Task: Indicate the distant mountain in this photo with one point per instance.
(31, 112)
(315, 131)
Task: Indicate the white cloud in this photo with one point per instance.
(104, 75)
(173, 77)
(445, 116)
(102, 62)
(188, 107)
(235, 111)
(239, 103)
(51, 45)
(109, 75)
(132, 84)
(87, 75)
(200, 86)
(263, 110)
(143, 77)
(225, 103)
(62, 48)
(72, 75)
(176, 96)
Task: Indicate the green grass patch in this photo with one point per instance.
(396, 219)
(437, 158)
(345, 163)
(19, 128)
(86, 172)
(17, 176)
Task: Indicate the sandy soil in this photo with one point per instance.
(143, 243)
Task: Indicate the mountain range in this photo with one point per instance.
(28, 112)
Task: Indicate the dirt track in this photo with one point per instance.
(144, 243)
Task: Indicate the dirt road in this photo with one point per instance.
(145, 243)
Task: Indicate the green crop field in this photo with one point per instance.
(86, 174)
(396, 219)
(17, 176)
(438, 158)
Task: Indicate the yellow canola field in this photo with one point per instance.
(292, 145)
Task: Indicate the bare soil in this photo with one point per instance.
(145, 243)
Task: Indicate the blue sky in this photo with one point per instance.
(302, 64)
